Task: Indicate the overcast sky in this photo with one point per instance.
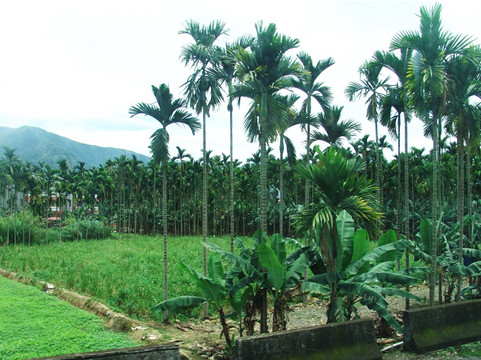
(75, 68)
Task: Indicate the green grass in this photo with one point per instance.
(124, 272)
(34, 324)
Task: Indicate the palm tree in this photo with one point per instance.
(227, 72)
(463, 118)
(364, 147)
(339, 186)
(427, 83)
(307, 83)
(370, 86)
(264, 70)
(203, 91)
(397, 98)
(285, 143)
(167, 111)
(334, 128)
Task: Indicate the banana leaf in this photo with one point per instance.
(179, 303)
(276, 273)
(345, 239)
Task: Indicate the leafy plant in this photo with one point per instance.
(266, 267)
(447, 259)
(213, 287)
(362, 275)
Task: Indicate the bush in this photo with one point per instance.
(84, 229)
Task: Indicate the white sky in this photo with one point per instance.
(75, 68)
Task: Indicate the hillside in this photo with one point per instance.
(36, 145)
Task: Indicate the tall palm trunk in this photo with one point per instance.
(378, 166)
(406, 196)
(204, 201)
(263, 197)
(460, 195)
(263, 175)
(469, 184)
(308, 153)
(164, 225)
(398, 200)
(281, 195)
(231, 174)
(155, 197)
(434, 243)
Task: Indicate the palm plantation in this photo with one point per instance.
(336, 200)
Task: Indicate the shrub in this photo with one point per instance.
(22, 227)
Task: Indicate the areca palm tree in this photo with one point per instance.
(227, 72)
(463, 118)
(428, 84)
(371, 86)
(264, 70)
(203, 91)
(167, 111)
(285, 143)
(335, 129)
(308, 84)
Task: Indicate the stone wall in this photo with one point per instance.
(436, 327)
(346, 340)
(155, 352)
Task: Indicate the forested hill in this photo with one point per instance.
(36, 145)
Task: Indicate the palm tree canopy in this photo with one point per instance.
(307, 81)
(463, 109)
(264, 70)
(334, 128)
(427, 77)
(166, 111)
(339, 185)
(202, 88)
(369, 86)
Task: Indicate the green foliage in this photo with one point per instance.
(447, 258)
(22, 227)
(124, 272)
(367, 276)
(84, 229)
(35, 324)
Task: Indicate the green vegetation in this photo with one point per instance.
(438, 79)
(35, 324)
(124, 272)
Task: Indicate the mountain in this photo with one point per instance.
(36, 145)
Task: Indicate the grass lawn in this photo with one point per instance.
(34, 324)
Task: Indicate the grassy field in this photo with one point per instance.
(125, 272)
(34, 324)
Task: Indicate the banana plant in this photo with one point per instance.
(362, 275)
(447, 259)
(283, 274)
(215, 291)
(266, 267)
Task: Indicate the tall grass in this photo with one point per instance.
(27, 229)
(124, 272)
